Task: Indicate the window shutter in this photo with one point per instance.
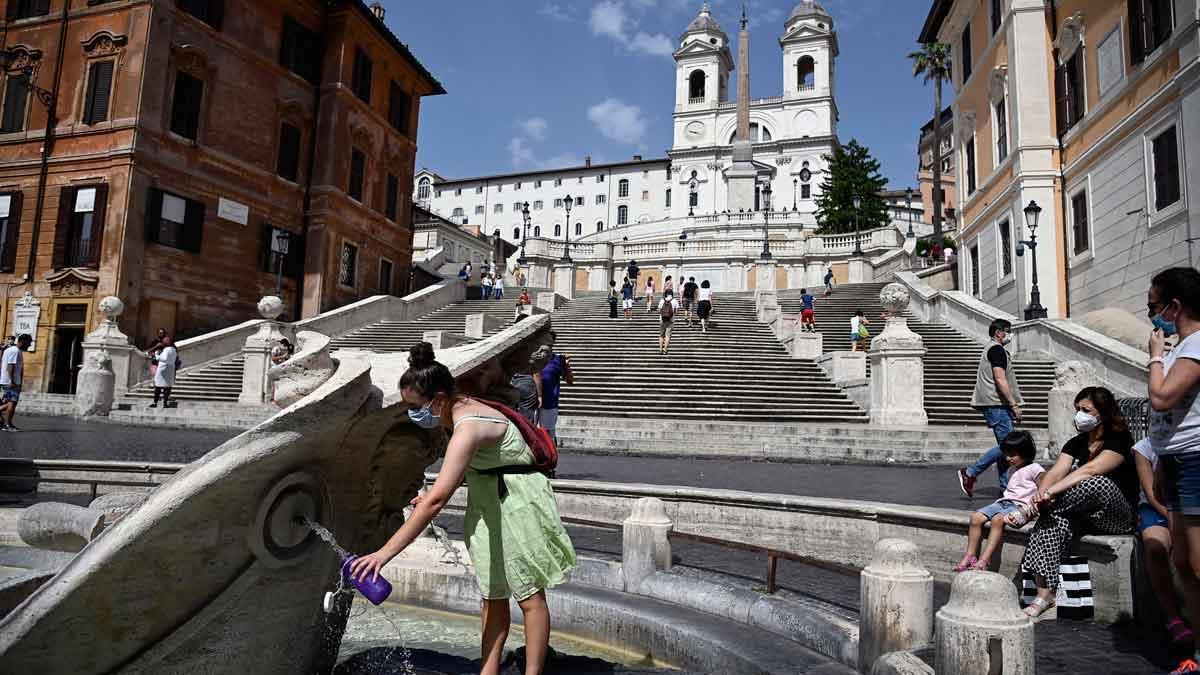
(266, 258)
(293, 262)
(8, 261)
(99, 92)
(16, 97)
(99, 212)
(216, 13)
(1172, 167)
(1137, 32)
(193, 226)
(153, 214)
(1060, 100)
(10, 12)
(62, 228)
(40, 7)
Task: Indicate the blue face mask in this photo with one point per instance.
(424, 417)
(1167, 327)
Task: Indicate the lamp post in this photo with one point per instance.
(908, 208)
(525, 234)
(766, 197)
(280, 246)
(566, 256)
(857, 241)
(795, 186)
(1035, 309)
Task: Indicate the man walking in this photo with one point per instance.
(689, 298)
(557, 369)
(633, 273)
(998, 397)
(829, 280)
(808, 320)
(12, 374)
(666, 319)
(627, 298)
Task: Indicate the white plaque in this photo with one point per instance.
(26, 313)
(231, 210)
(1110, 61)
(174, 209)
(5, 205)
(85, 200)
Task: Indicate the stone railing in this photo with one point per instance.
(1118, 365)
(377, 308)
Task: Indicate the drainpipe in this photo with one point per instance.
(1062, 178)
(305, 218)
(47, 145)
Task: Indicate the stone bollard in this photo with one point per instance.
(764, 276)
(770, 311)
(109, 339)
(1069, 378)
(843, 366)
(256, 389)
(548, 301)
(564, 280)
(479, 325)
(59, 527)
(807, 345)
(896, 612)
(444, 339)
(897, 371)
(981, 630)
(645, 547)
(94, 391)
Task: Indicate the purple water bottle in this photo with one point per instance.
(376, 590)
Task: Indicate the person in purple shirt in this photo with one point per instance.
(549, 389)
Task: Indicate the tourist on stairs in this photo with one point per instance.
(486, 285)
(666, 319)
(1173, 303)
(649, 294)
(557, 369)
(998, 397)
(829, 280)
(1020, 452)
(498, 287)
(858, 331)
(705, 309)
(669, 285)
(627, 298)
(517, 543)
(1152, 521)
(613, 299)
(808, 319)
(1092, 487)
(689, 298)
(164, 376)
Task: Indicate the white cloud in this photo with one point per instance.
(610, 19)
(556, 12)
(520, 153)
(654, 45)
(618, 121)
(535, 128)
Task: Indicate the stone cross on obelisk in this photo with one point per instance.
(741, 175)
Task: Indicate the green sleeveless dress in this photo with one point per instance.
(518, 544)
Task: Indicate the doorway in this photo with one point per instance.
(66, 355)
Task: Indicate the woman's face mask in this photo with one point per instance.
(1160, 322)
(1085, 422)
(424, 417)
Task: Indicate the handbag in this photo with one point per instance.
(863, 332)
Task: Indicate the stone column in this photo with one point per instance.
(479, 325)
(564, 280)
(859, 271)
(768, 307)
(896, 611)
(981, 630)
(94, 390)
(109, 339)
(897, 367)
(1069, 378)
(257, 352)
(645, 548)
(764, 276)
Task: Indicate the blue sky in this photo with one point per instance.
(542, 83)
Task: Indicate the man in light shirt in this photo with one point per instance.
(12, 374)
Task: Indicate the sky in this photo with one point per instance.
(535, 84)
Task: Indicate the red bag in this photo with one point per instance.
(545, 455)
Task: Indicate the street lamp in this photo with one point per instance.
(857, 241)
(566, 256)
(525, 234)
(908, 209)
(282, 239)
(766, 197)
(795, 186)
(1035, 309)
(16, 67)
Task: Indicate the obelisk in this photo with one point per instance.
(740, 176)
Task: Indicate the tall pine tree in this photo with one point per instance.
(851, 171)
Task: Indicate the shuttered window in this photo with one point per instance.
(1001, 131)
(392, 198)
(385, 276)
(358, 169)
(185, 108)
(997, 16)
(300, 50)
(288, 166)
(1150, 25)
(969, 149)
(400, 108)
(175, 221)
(10, 228)
(99, 92)
(1167, 188)
(966, 53)
(210, 12)
(16, 103)
(1079, 222)
(25, 9)
(1068, 92)
(79, 230)
(363, 70)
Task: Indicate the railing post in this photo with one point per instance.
(981, 630)
(105, 344)
(896, 603)
(645, 546)
(257, 353)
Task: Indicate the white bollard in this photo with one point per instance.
(981, 630)
(645, 547)
(896, 612)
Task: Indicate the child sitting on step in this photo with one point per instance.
(1019, 451)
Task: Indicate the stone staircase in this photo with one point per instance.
(737, 371)
(950, 362)
(221, 381)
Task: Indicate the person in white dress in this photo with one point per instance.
(164, 377)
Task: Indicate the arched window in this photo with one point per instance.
(537, 230)
(423, 189)
(599, 225)
(558, 230)
(622, 215)
(578, 229)
(806, 70)
(623, 188)
(758, 134)
(516, 233)
(458, 212)
(696, 86)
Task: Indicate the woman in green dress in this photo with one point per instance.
(516, 540)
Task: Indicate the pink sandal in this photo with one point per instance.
(981, 565)
(1180, 633)
(964, 566)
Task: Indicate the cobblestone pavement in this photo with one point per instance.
(43, 437)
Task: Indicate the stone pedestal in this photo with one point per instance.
(785, 326)
(859, 271)
(897, 367)
(645, 547)
(94, 391)
(896, 611)
(764, 276)
(108, 339)
(549, 301)
(1069, 378)
(444, 339)
(256, 389)
(769, 310)
(564, 280)
(808, 346)
(981, 630)
(479, 325)
(844, 367)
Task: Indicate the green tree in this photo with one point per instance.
(932, 62)
(851, 172)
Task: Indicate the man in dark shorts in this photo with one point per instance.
(689, 298)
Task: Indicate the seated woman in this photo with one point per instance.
(1092, 488)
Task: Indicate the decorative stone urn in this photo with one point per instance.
(106, 349)
(897, 366)
(256, 389)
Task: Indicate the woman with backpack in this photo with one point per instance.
(530, 554)
(705, 308)
(666, 318)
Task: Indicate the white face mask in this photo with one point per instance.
(1085, 422)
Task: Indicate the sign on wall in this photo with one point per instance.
(26, 313)
(234, 211)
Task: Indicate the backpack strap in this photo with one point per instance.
(501, 471)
